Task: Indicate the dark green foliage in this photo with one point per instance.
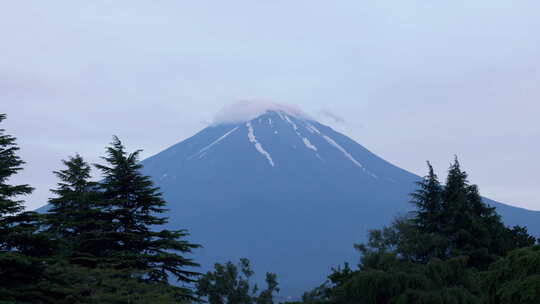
(267, 296)
(436, 254)
(514, 278)
(406, 282)
(68, 283)
(428, 201)
(384, 276)
(229, 284)
(472, 228)
(519, 237)
(319, 295)
(107, 248)
(74, 219)
(131, 205)
(75, 195)
(99, 242)
(15, 227)
(21, 247)
(65, 283)
(450, 221)
(405, 239)
(18, 274)
(10, 164)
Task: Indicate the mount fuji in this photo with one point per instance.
(285, 191)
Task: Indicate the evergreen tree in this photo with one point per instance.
(428, 202)
(132, 206)
(67, 283)
(10, 205)
(434, 254)
(21, 248)
(449, 221)
(472, 228)
(74, 218)
(519, 237)
(85, 269)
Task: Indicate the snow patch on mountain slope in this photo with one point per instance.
(295, 127)
(340, 148)
(312, 129)
(332, 142)
(309, 145)
(258, 146)
(280, 114)
(201, 152)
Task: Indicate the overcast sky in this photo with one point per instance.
(410, 80)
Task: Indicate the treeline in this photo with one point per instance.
(452, 249)
(101, 242)
(98, 242)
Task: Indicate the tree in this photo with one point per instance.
(229, 284)
(319, 295)
(99, 260)
(267, 296)
(391, 272)
(406, 282)
(74, 195)
(519, 237)
(428, 202)
(10, 206)
(132, 206)
(473, 228)
(67, 283)
(434, 254)
(404, 239)
(21, 247)
(74, 218)
(514, 278)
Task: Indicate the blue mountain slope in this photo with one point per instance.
(286, 192)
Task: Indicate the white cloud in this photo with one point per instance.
(325, 113)
(246, 110)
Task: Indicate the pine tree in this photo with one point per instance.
(74, 218)
(10, 206)
(132, 206)
(67, 283)
(428, 201)
(434, 254)
(473, 228)
(519, 237)
(20, 245)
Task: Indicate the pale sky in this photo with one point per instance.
(410, 80)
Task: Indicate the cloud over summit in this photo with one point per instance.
(246, 110)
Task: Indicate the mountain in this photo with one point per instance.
(285, 191)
